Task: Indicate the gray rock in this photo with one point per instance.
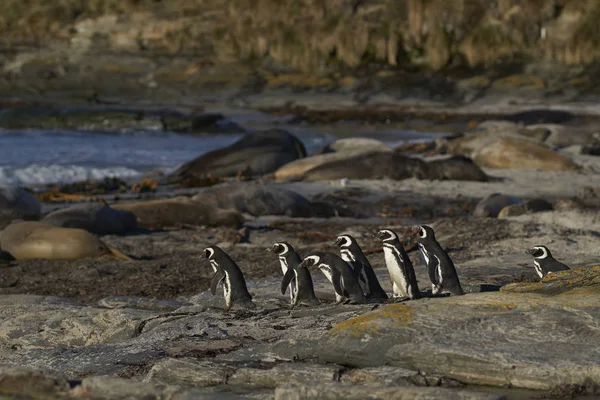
(290, 373)
(31, 382)
(96, 218)
(189, 373)
(345, 391)
(491, 205)
(256, 199)
(496, 338)
(16, 203)
(141, 303)
(379, 376)
(527, 207)
(354, 145)
(254, 155)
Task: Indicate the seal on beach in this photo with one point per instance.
(353, 255)
(32, 239)
(296, 278)
(228, 272)
(544, 262)
(340, 274)
(399, 266)
(440, 267)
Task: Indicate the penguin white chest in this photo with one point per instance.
(347, 255)
(284, 266)
(295, 294)
(227, 289)
(424, 253)
(538, 268)
(395, 269)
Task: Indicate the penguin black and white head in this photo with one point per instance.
(297, 279)
(339, 273)
(351, 252)
(399, 266)
(543, 261)
(440, 267)
(227, 271)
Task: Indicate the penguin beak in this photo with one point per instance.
(270, 249)
(376, 235)
(303, 264)
(530, 251)
(336, 242)
(204, 253)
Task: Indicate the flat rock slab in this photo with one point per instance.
(524, 340)
(348, 392)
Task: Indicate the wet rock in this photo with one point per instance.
(16, 203)
(497, 338)
(189, 373)
(346, 391)
(457, 168)
(156, 214)
(254, 155)
(290, 373)
(95, 218)
(379, 376)
(31, 240)
(355, 145)
(491, 205)
(257, 200)
(574, 282)
(527, 207)
(141, 303)
(23, 381)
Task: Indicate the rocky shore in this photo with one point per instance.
(131, 314)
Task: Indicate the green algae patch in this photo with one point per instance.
(393, 316)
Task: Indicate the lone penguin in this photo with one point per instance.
(297, 278)
(340, 274)
(228, 272)
(440, 267)
(544, 262)
(353, 255)
(399, 266)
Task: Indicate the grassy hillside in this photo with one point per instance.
(320, 34)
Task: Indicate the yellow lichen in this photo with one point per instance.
(392, 316)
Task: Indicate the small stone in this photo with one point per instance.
(189, 373)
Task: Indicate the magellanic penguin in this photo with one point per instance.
(440, 267)
(353, 255)
(296, 278)
(544, 262)
(340, 274)
(399, 266)
(227, 271)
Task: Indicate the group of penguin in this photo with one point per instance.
(351, 274)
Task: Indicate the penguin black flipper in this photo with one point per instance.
(287, 279)
(433, 264)
(219, 276)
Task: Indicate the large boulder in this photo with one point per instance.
(16, 203)
(256, 200)
(354, 145)
(253, 155)
(37, 240)
(527, 207)
(96, 218)
(507, 149)
(506, 338)
(157, 214)
(391, 165)
(297, 168)
(491, 205)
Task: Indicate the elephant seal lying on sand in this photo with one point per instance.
(32, 239)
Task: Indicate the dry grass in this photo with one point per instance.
(314, 35)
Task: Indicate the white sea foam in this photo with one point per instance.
(42, 174)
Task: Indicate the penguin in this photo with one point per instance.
(297, 279)
(400, 268)
(340, 274)
(544, 262)
(353, 255)
(440, 267)
(227, 271)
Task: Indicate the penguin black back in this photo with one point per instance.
(228, 272)
(343, 277)
(544, 262)
(440, 267)
(353, 254)
(295, 277)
